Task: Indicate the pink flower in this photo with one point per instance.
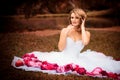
(97, 71)
(44, 65)
(118, 59)
(26, 61)
(112, 75)
(76, 67)
(81, 71)
(48, 66)
(29, 55)
(19, 63)
(68, 67)
(60, 69)
(89, 74)
(38, 64)
(104, 73)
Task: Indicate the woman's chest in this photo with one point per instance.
(75, 36)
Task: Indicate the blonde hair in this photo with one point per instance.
(81, 14)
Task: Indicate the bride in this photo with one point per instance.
(70, 59)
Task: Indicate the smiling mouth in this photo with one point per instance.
(74, 23)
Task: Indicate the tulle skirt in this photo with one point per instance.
(90, 63)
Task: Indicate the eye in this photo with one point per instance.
(72, 17)
(77, 17)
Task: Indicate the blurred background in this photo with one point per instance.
(32, 15)
(26, 25)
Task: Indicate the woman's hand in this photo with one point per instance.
(85, 34)
(68, 29)
(83, 24)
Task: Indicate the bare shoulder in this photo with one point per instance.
(63, 30)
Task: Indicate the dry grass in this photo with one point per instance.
(16, 44)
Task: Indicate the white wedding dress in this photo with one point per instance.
(89, 60)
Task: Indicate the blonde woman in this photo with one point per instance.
(70, 59)
(76, 30)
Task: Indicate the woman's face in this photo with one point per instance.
(75, 20)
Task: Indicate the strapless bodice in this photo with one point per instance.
(73, 46)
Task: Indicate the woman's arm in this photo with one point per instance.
(63, 36)
(85, 34)
(62, 39)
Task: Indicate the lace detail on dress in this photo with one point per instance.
(75, 46)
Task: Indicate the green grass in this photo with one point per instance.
(17, 44)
